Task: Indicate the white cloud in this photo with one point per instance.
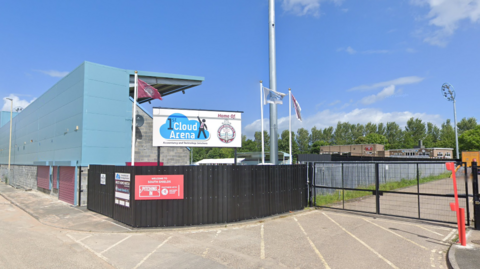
(352, 51)
(327, 118)
(53, 73)
(396, 82)
(446, 16)
(17, 102)
(386, 92)
(334, 103)
(305, 7)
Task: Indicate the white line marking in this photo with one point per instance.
(419, 226)
(91, 250)
(114, 245)
(363, 243)
(84, 238)
(120, 226)
(206, 251)
(146, 257)
(313, 245)
(392, 232)
(448, 235)
(262, 245)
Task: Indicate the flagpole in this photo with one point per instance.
(134, 126)
(290, 123)
(261, 119)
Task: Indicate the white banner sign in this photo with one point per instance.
(196, 128)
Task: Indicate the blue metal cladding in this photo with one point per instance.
(45, 130)
(5, 117)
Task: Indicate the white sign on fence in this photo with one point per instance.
(196, 128)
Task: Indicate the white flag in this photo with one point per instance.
(272, 97)
(297, 107)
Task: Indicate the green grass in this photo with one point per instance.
(337, 196)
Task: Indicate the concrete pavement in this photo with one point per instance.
(307, 239)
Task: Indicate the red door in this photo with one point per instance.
(43, 177)
(54, 176)
(66, 191)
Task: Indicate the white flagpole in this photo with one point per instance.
(290, 123)
(261, 119)
(134, 117)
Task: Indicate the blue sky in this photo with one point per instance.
(345, 60)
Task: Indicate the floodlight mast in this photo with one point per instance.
(449, 94)
(273, 84)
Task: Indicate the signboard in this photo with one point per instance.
(103, 179)
(196, 128)
(122, 189)
(370, 148)
(159, 187)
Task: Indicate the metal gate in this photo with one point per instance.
(66, 190)
(421, 190)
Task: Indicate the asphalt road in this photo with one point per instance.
(312, 239)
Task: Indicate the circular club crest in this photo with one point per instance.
(226, 133)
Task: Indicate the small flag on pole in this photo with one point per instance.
(147, 91)
(272, 97)
(297, 107)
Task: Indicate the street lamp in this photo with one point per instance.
(449, 93)
(10, 143)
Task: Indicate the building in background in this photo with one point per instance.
(5, 117)
(370, 150)
(85, 119)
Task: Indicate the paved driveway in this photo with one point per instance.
(314, 239)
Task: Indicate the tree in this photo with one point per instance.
(226, 153)
(342, 134)
(214, 153)
(432, 137)
(447, 135)
(266, 140)
(466, 124)
(328, 135)
(361, 140)
(470, 140)
(248, 145)
(414, 131)
(370, 128)
(357, 131)
(283, 143)
(303, 140)
(381, 130)
(394, 136)
(373, 138)
(315, 149)
(316, 135)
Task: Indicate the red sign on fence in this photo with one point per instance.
(158, 187)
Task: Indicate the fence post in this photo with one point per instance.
(476, 201)
(418, 189)
(377, 187)
(466, 192)
(310, 182)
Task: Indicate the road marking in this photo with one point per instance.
(91, 250)
(448, 235)
(262, 244)
(313, 245)
(419, 226)
(84, 238)
(114, 245)
(150, 254)
(363, 243)
(206, 251)
(396, 234)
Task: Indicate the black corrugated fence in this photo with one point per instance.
(212, 194)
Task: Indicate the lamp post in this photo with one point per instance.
(10, 142)
(449, 93)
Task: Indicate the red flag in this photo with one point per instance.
(147, 91)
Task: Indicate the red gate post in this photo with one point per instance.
(456, 207)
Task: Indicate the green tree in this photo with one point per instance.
(303, 140)
(470, 140)
(373, 138)
(226, 153)
(266, 141)
(283, 143)
(357, 131)
(316, 135)
(328, 135)
(342, 134)
(248, 145)
(433, 134)
(370, 128)
(198, 154)
(394, 136)
(315, 149)
(361, 140)
(447, 136)
(214, 153)
(381, 130)
(414, 131)
(466, 124)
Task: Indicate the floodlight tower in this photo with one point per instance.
(273, 84)
(449, 93)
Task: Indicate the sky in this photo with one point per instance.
(345, 60)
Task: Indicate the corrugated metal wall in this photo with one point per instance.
(212, 194)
